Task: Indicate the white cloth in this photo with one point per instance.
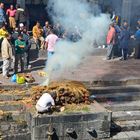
(6, 67)
(44, 102)
(6, 49)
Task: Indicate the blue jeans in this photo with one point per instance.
(124, 53)
(57, 66)
(50, 54)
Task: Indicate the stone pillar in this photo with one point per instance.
(126, 10)
(21, 2)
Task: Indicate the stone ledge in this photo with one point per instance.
(100, 120)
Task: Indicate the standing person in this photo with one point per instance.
(138, 22)
(7, 55)
(46, 29)
(58, 30)
(11, 14)
(136, 38)
(19, 53)
(15, 35)
(26, 38)
(117, 51)
(2, 15)
(124, 41)
(110, 41)
(3, 31)
(21, 28)
(50, 43)
(20, 16)
(38, 35)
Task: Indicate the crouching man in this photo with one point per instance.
(46, 103)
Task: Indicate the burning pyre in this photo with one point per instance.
(67, 92)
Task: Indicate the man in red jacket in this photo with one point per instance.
(110, 40)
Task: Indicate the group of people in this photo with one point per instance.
(12, 17)
(119, 38)
(13, 49)
(16, 42)
(16, 47)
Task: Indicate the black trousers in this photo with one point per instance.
(137, 51)
(19, 59)
(124, 53)
(26, 59)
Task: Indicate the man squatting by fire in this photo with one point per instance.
(46, 103)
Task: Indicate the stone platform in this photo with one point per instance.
(19, 118)
(83, 125)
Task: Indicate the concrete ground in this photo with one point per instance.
(95, 68)
(92, 68)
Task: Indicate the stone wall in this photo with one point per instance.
(80, 123)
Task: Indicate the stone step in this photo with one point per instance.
(12, 97)
(122, 106)
(127, 135)
(11, 106)
(128, 125)
(17, 86)
(13, 115)
(14, 130)
(17, 136)
(13, 126)
(120, 97)
(105, 83)
(114, 89)
(125, 115)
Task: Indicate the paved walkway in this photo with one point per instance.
(91, 69)
(95, 68)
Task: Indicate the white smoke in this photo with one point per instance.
(76, 15)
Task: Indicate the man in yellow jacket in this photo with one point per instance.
(38, 34)
(3, 32)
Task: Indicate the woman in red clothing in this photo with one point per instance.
(11, 13)
(110, 40)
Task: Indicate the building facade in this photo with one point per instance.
(127, 9)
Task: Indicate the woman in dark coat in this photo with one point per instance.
(136, 38)
(124, 41)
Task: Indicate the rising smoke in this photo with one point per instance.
(76, 15)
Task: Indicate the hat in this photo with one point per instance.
(21, 25)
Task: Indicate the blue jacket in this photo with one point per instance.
(2, 15)
(124, 38)
(137, 35)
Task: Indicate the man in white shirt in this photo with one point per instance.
(45, 102)
(51, 40)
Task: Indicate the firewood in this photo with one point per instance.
(67, 92)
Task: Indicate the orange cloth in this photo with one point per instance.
(111, 36)
(37, 32)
